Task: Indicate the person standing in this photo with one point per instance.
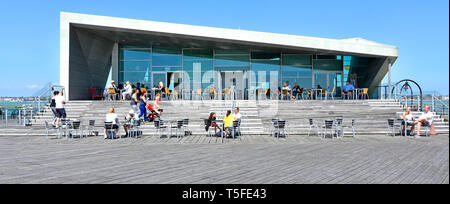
(142, 103)
(59, 108)
(134, 101)
(53, 107)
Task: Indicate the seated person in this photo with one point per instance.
(130, 121)
(112, 118)
(426, 119)
(127, 91)
(347, 89)
(210, 123)
(237, 115)
(408, 120)
(112, 90)
(296, 90)
(228, 123)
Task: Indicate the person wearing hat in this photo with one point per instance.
(130, 120)
(112, 90)
(127, 91)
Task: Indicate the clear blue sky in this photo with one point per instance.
(29, 54)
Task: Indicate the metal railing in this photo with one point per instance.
(444, 107)
(22, 115)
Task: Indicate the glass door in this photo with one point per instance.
(159, 77)
(233, 81)
(328, 80)
(174, 83)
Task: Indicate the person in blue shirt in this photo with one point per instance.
(348, 89)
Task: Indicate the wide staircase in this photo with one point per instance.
(370, 115)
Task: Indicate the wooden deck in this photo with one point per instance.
(250, 159)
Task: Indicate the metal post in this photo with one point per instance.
(389, 78)
(419, 105)
(20, 116)
(39, 104)
(6, 117)
(432, 103)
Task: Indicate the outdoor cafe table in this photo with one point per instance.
(66, 126)
(403, 124)
(356, 92)
(220, 127)
(316, 91)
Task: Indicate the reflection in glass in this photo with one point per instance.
(135, 66)
(135, 54)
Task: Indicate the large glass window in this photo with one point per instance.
(199, 71)
(300, 75)
(134, 77)
(232, 60)
(297, 60)
(166, 60)
(135, 66)
(198, 54)
(328, 64)
(135, 54)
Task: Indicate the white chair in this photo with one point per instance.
(49, 128)
(312, 125)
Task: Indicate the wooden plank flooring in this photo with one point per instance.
(248, 159)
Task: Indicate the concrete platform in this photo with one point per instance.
(250, 159)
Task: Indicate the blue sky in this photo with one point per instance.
(29, 54)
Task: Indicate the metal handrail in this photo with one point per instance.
(433, 101)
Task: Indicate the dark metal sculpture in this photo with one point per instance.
(407, 86)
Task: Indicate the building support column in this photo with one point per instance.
(115, 63)
(389, 79)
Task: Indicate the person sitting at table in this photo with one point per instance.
(237, 115)
(130, 120)
(228, 124)
(112, 90)
(285, 92)
(127, 91)
(426, 119)
(111, 117)
(296, 90)
(347, 91)
(408, 120)
(210, 123)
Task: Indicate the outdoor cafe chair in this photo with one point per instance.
(49, 128)
(185, 125)
(328, 127)
(110, 131)
(331, 94)
(392, 127)
(280, 127)
(90, 127)
(351, 127)
(205, 123)
(178, 126)
(365, 93)
(159, 127)
(135, 128)
(76, 128)
(272, 127)
(236, 128)
(338, 126)
(315, 126)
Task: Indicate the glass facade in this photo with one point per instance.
(188, 70)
